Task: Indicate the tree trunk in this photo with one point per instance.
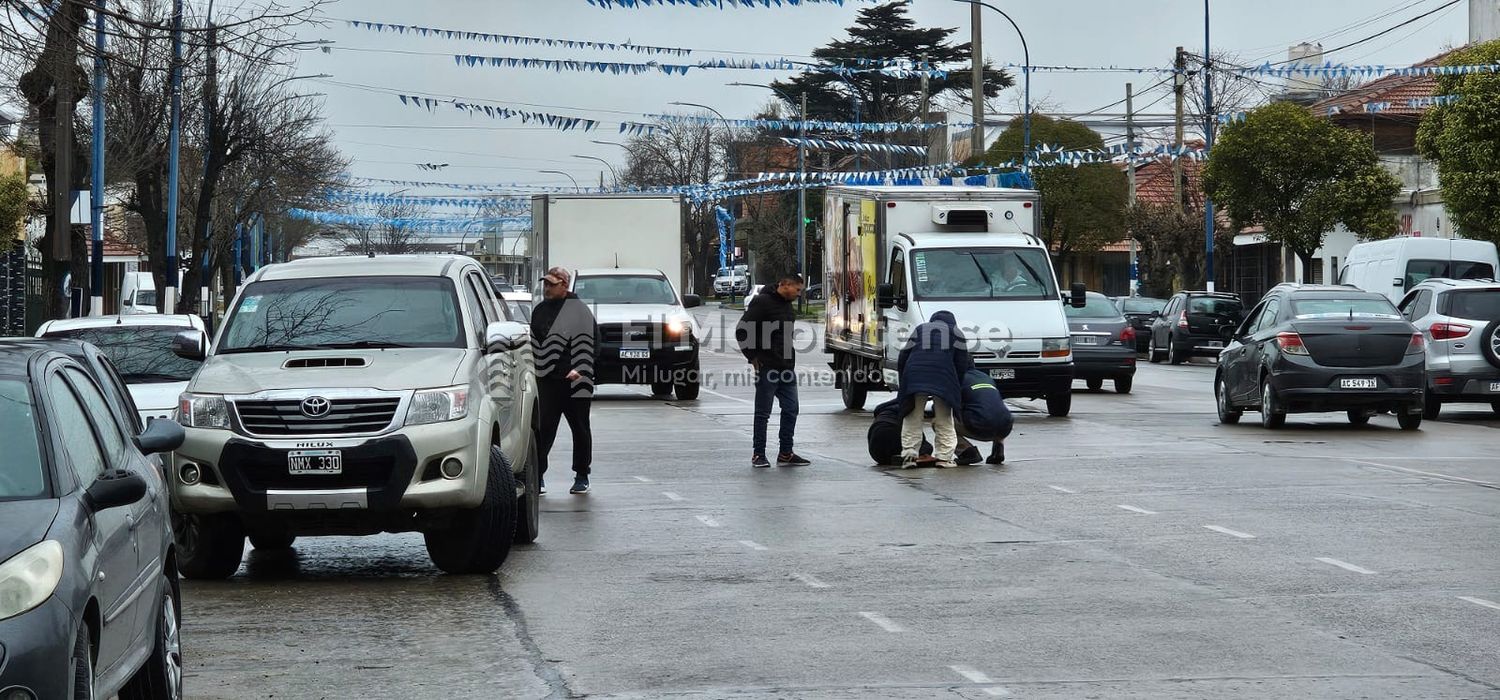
(1306, 257)
(150, 204)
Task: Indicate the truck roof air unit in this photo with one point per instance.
(962, 218)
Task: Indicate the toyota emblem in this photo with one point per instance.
(316, 406)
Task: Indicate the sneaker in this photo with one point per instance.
(541, 486)
(790, 459)
(759, 462)
(997, 454)
(580, 485)
(927, 461)
(945, 465)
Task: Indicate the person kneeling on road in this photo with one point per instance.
(884, 438)
(931, 366)
(983, 415)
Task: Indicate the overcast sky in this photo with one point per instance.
(387, 139)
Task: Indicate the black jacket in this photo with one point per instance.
(564, 338)
(767, 329)
(935, 357)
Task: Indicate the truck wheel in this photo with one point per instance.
(271, 540)
(687, 391)
(661, 388)
(529, 505)
(854, 395)
(209, 546)
(1058, 405)
(476, 541)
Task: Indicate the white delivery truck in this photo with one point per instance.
(626, 256)
(893, 256)
(1395, 265)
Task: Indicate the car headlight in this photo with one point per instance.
(438, 405)
(29, 578)
(1056, 347)
(203, 411)
(677, 328)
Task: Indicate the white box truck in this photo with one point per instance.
(626, 256)
(893, 256)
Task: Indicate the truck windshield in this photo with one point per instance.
(343, 312)
(625, 289)
(982, 273)
(145, 297)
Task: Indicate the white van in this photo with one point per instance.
(1392, 267)
(137, 294)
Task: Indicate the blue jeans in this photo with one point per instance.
(780, 384)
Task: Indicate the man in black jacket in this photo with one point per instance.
(766, 333)
(563, 341)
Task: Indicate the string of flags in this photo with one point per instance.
(1368, 107)
(718, 4)
(427, 225)
(555, 121)
(854, 146)
(625, 68)
(507, 205)
(797, 125)
(1335, 70)
(517, 40)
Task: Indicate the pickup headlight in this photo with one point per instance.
(678, 328)
(29, 578)
(438, 405)
(203, 411)
(1057, 347)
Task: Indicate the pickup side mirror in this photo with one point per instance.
(161, 435)
(504, 336)
(691, 301)
(885, 295)
(1078, 295)
(113, 489)
(190, 345)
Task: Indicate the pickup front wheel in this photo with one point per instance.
(477, 541)
(209, 546)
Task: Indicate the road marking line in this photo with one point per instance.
(974, 675)
(1134, 509)
(1435, 475)
(754, 546)
(809, 579)
(885, 622)
(1480, 602)
(672, 496)
(708, 521)
(642, 479)
(1345, 565)
(1231, 533)
(727, 396)
(1059, 488)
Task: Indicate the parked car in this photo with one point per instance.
(351, 396)
(517, 306)
(813, 292)
(1140, 312)
(1193, 325)
(89, 601)
(1461, 319)
(1103, 344)
(140, 348)
(1312, 348)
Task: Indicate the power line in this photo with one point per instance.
(1382, 32)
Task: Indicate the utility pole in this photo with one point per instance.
(1179, 87)
(1130, 175)
(210, 98)
(1208, 143)
(802, 199)
(96, 178)
(174, 148)
(62, 171)
(976, 85)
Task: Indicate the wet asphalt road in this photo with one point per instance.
(1134, 550)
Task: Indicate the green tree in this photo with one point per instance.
(1298, 176)
(1083, 207)
(1463, 138)
(13, 206)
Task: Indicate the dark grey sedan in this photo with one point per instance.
(88, 589)
(1103, 344)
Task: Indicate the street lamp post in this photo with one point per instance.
(801, 179)
(1025, 74)
(576, 188)
(607, 164)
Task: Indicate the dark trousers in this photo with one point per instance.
(781, 385)
(556, 401)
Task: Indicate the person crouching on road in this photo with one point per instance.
(564, 342)
(883, 438)
(765, 334)
(932, 364)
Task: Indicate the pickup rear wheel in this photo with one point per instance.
(1058, 405)
(209, 546)
(477, 541)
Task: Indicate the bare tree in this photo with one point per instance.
(387, 231)
(1232, 91)
(677, 153)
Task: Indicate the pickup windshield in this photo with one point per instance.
(345, 312)
(625, 289)
(21, 474)
(982, 273)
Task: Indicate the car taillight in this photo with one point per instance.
(1417, 344)
(1291, 344)
(1182, 320)
(1127, 336)
(1449, 331)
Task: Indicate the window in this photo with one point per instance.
(1408, 305)
(982, 273)
(1263, 317)
(341, 312)
(143, 353)
(71, 422)
(1215, 306)
(116, 388)
(625, 289)
(1421, 305)
(486, 297)
(1344, 307)
(898, 273)
(104, 422)
(1420, 270)
(21, 474)
(1316, 273)
(479, 315)
(1476, 305)
(1096, 306)
(1142, 305)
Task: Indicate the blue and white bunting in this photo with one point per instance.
(719, 4)
(854, 146)
(414, 30)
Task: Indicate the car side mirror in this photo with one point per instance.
(504, 336)
(885, 295)
(1078, 295)
(161, 435)
(190, 345)
(115, 488)
(691, 301)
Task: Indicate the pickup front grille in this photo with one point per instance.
(620, 333)
(345, 417)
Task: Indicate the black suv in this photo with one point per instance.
(1193, 325)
